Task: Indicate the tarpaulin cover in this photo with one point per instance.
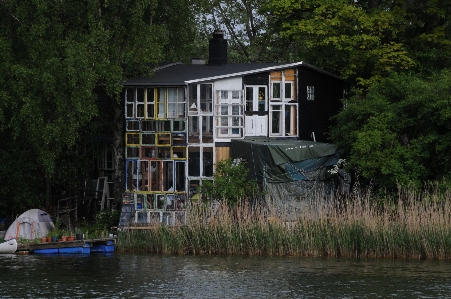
(34, 223)
(281, 161)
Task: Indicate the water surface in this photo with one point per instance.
(168, 276)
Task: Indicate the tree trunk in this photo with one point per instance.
(118, 147)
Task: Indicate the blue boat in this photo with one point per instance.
(104, 248)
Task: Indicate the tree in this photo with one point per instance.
(248, 29)
(360, 40)
(400, 130)
(57, 58)
(365, 40)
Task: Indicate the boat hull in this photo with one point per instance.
(9, 246)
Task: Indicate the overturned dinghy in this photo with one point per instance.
(9, 246)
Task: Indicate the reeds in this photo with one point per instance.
(417, 226)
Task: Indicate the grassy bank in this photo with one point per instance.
(414, 224)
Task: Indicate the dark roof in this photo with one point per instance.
(176, 74)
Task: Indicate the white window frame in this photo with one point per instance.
(140, 102)
(175, 105)
(149, 112)
(286, 105)
(130, 96)
(228, 101)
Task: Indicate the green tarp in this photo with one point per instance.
(280, 161)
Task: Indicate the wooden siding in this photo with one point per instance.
(314, 115)
(222, 153)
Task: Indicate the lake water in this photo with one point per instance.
(169, 276)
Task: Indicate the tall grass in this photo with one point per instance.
(412, 224)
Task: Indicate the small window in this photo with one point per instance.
(310, 93)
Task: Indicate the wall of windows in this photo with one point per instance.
(156, 152)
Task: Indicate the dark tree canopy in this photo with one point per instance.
(400, 130)
(57, 57)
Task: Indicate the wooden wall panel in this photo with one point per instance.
(222, 153)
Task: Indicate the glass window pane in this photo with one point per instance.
(140, 95)
(207, 128)
(287, 90)
(275, 127)
(276, 90)
(161, 103)
(224, 121)
(155, 177)
(192, 98)
(207, 161)
(205, 91)
(194, 131)
(194, 161)
(130, 112)
(249, 98)
(130, 95)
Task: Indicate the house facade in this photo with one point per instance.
(182, 120)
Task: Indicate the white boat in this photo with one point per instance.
(9, 246)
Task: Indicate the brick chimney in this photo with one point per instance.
(217, 49)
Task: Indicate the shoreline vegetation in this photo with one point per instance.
(413, 224)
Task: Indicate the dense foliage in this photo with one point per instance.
(56, 58)
(365, 40)
(399, 131)
(229, 183)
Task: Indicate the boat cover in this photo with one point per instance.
(282, 161)
(32, 224)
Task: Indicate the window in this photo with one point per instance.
(291, 120)
(132, 125)
(310, 93)
(200, 99)
(161, 104)
(200, 159)
(207, 129)
(288, 91)
(230, 114)
(206, 98)
(139, 103)
(275, 115)
(200, 129)
(150, 103)
(131, 173)
(130, 103)
(176, 103)
(283, 106)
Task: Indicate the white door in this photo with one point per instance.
(256, 114)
